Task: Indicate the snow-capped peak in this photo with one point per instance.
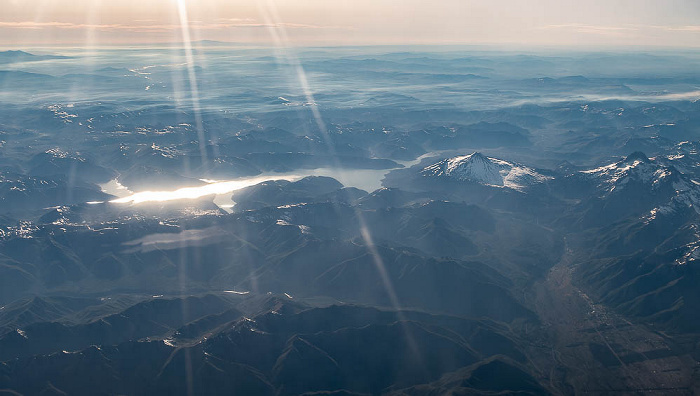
(478, 168)
(636, 156)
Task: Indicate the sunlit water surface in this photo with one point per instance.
(224, 190)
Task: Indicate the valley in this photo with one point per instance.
(596, 351)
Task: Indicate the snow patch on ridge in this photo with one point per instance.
(654, 173)
(633, 167)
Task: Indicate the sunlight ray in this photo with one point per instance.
(192, 76)
(281, 39)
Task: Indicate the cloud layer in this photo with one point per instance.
(517, 22)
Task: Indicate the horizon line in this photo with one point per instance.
(356, 45)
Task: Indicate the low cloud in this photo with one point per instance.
(618, 30)
(147, 28)
(593, 29)
(691, 28)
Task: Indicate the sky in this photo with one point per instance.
(666, 23)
